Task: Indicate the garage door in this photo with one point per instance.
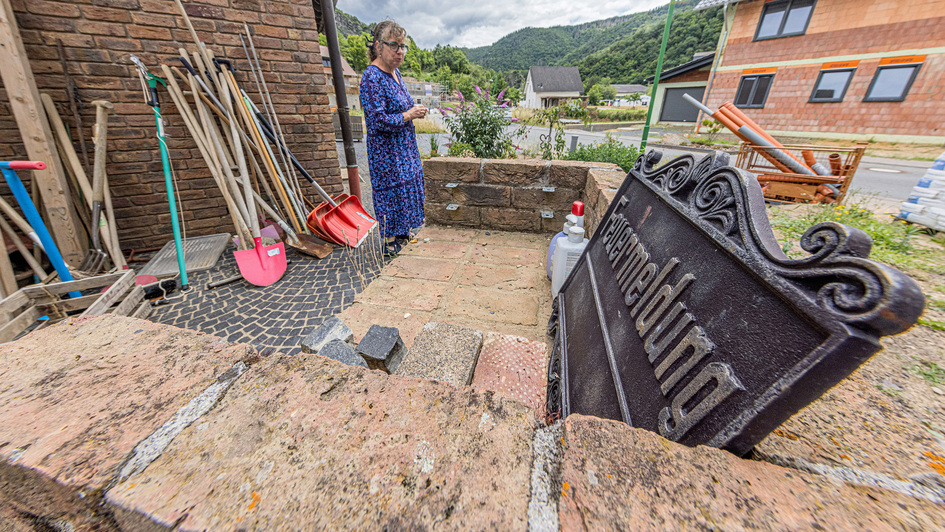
(676, 109)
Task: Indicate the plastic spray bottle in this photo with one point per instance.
(576, 218)
(567, 253)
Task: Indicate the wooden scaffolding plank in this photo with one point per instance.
(17, 77)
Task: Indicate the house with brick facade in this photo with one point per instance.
(98, 39)
(850, 69)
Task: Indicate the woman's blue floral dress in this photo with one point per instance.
(396, 170)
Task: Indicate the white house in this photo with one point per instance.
(548, 86)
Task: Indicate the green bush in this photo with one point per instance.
(610, 150)
(478, 125)
(621, 115)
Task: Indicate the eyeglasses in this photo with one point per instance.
(394, 47)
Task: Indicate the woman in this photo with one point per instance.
(393, 156)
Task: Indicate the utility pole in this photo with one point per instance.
(656, 80)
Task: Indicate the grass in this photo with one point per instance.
(932, 324)
(930, 371)
(893, 241)
(422, 125)
(936, 304)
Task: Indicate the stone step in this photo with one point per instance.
(443, 352)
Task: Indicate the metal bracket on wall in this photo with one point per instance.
(544, 214)
(452, 185)
(452, 207)
(548, 189)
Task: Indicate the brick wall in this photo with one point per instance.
(100, 35)
(849, 29)
(511, 194)
(696, 75)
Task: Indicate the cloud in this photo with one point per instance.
(482, 22)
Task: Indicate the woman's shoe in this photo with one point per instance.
(402, 240)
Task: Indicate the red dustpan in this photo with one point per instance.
(262, 265)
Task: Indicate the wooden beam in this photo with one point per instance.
(17, 77)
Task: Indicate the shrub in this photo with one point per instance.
(479, 125)
(610, 150)
(621, 115)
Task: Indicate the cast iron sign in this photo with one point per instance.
(684, 317)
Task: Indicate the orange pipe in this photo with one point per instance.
(808, 157)
(724, 120)
(834, 163)
(764, 134)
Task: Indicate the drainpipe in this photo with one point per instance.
(337, 75)
(715, 64)
(656, 79)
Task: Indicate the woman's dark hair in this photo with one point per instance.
(386, 30)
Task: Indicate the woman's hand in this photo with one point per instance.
(417, 111)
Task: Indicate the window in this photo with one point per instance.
(831, 85)
(753, 91)
(891, 83)
(784, 19)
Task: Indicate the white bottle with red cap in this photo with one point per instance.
(575, 219)
(567, 253)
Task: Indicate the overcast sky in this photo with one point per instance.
(480, 22)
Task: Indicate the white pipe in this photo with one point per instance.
(777, 153)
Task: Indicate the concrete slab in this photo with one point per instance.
(403, 293)
(421, 268)
(514, 239)
(513, 367)
(436, 249)
(518, 278)
(78, 396)
(307, 443)
(607, 463)
(508, 256)
(443, 352)
(450, 234)
(504, 306)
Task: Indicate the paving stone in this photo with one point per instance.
(382, 348)
(607, 464)
(513, 367)
(450, 234)
(514, 239)
(338, 350)
(78, 396)
(443, 352)
(421, 268)
(331, 329)
(437, 249)
(403, 293)
(509, 256)
(307, 443)
(508, 277)
(493, 305)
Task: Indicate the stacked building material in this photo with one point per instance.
(926, 203)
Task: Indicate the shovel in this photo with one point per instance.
(262, 265)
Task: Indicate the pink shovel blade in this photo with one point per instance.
(263, 265)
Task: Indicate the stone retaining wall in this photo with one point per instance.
(512, 194)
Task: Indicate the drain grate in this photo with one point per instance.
(200, 253)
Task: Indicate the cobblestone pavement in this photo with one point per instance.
(276, 316)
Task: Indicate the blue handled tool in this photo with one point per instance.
(32, 215)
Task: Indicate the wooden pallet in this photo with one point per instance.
(20, 311)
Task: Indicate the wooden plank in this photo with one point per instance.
(17, 77)
(58, 308)
(114, 294)
(19, 324)
(8, 284)
(98, 281)
(130, 303)
(143, 310)
(14, 302)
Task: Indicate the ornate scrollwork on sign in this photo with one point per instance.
(837, 277)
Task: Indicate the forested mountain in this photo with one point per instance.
(349, 24)
(567, 45)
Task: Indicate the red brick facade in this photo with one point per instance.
(867, 31)
(100, 35)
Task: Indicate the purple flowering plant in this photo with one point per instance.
(480, 125)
